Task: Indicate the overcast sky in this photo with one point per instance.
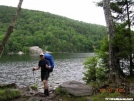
(82, 10)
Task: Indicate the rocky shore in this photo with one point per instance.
(67, 91)
(32, 50)
(31, 93)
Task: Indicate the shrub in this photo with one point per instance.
(95, 71)
(8, 94)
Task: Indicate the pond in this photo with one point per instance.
(18, 69)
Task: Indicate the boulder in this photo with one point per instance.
(76, 88)
(35, 50)
(20, 53)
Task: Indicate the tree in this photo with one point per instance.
(111, 35)
(124, 16)
(10, 28)
(80, 36)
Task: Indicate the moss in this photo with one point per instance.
(57, 90)
(61, 91)
(34, 87)
(8, 94)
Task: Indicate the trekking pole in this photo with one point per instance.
(34, 77)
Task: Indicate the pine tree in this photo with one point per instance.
(124, 15)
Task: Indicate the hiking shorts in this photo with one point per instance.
(44, 75)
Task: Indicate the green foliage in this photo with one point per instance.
(100, 4)
(50, 32)
(57, 90)
(8, 94)
(90, 65)
(60, 91)
(97, 66)
(103, 95)
(121, 38)
(34, 87)
(25, 49)
(95, 71)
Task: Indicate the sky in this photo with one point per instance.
(82, 10)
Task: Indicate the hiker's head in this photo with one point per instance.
(42, 56)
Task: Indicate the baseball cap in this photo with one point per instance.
(41, 54)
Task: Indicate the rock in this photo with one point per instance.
(20, 53)
(32, 92)
(60, 99)
(76, 88)
(35, 50)
(25, 93)
(35, 99)
(10, 53)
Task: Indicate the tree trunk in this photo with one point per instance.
(111, 34)
(10, 28)
(130, 40)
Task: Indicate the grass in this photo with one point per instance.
(34, 87)
(97, 97)
(103, 95)
(66, 97)
(7, 94)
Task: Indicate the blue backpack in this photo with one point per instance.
(51, 60)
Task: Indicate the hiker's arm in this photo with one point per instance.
(48, 65)
(37, 68)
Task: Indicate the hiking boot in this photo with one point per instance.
(46, 93)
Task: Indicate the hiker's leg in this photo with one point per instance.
(46, 92)
(45, 84)
(46, 76)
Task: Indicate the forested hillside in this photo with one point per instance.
(50, 32)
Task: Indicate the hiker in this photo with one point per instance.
(45, 70)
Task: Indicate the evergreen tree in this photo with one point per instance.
(124, 16)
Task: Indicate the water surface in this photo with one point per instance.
(18, 69)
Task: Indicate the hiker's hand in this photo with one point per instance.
(48, 66)
(33, 69)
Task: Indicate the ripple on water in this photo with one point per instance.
(21, 72)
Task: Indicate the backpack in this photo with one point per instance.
(50, 59)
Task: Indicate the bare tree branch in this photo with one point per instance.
(10, 28)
